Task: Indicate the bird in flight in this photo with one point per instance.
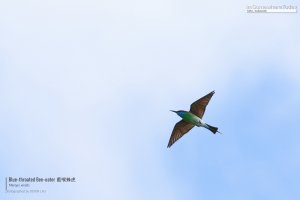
(191, 119)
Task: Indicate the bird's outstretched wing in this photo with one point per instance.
(198, 107)
(181, 128)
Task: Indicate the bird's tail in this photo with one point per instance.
(212, 129)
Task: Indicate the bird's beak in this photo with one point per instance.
(173, 111)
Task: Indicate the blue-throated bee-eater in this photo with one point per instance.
(191, 119)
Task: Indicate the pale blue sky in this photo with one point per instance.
(86, 88)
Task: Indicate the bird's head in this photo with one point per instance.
(179, 112)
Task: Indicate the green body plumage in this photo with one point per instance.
(191, 118)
